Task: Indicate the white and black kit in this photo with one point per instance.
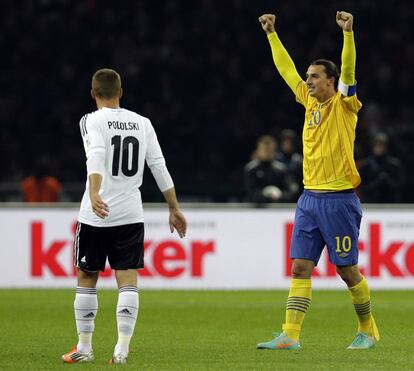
(118, 143)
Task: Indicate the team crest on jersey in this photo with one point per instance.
(316, 118)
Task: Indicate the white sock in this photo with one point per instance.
(86, 308)
(126, 316)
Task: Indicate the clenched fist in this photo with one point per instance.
(268, 23)
(345, 20)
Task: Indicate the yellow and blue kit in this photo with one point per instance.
(329, 218)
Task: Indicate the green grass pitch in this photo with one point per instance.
(206, 330)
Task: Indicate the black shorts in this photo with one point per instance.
(123, 245)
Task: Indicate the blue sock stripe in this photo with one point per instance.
(298, 302)
(303, 300)
(368, 303)
(299, 298)
(296, 306)
(304, 306)
(363, 311)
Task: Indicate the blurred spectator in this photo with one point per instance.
(382, 174)
(293, 160)
(41, 187)
(266, 179)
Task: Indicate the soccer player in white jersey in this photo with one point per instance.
(110, 224)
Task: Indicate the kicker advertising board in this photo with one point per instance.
(224, 248)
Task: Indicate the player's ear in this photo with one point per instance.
(93, 94)
(121, 92)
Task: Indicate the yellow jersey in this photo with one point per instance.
(329, 127)
(328, 141)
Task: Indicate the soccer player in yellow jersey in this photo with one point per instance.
(328, 212)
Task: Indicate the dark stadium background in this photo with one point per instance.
(201, 71)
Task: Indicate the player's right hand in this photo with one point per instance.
(268, 23)
(99, 207)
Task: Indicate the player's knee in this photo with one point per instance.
(301, 271)
(350, 275)
(87, 279)
(126, 277)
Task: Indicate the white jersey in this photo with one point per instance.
(127, 141)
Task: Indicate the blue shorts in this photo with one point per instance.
(330, 219)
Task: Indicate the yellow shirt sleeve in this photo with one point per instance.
(348, 59)
(283, 62)
(348, 62)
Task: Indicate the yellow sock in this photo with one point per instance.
(362, 303)
(298, 302)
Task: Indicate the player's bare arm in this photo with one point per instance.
(177, 220)
(344, 20)
(99, 207)
(268, 23)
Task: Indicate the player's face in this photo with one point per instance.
(318, 83)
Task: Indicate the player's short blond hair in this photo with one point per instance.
(106, 83)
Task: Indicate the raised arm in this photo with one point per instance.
(281, 58)
(347, 84)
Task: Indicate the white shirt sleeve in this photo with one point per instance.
(155, 160)
(94, 144)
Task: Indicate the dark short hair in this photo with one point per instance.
(381, 138)
(106, 83)
(288, 134)
(331, 69)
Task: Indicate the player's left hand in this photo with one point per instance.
(178, 222)
(345, 20)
